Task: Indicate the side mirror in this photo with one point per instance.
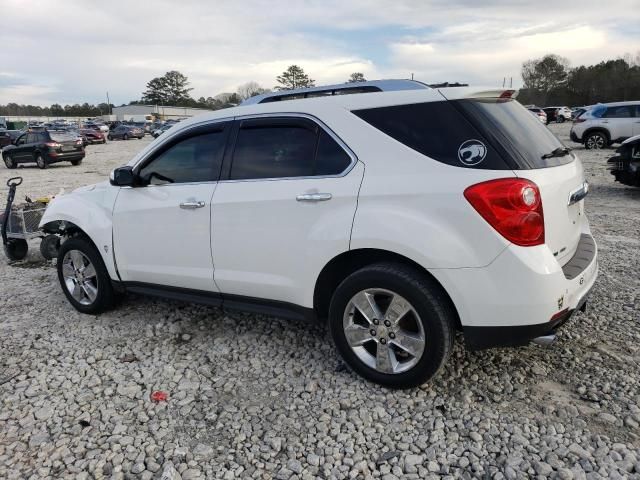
(123, 177)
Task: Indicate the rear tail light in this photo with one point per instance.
(507, 94)
(53, 145)
(512, 206)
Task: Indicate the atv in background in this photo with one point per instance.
(625, 164)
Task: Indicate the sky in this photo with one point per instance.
(74, 51)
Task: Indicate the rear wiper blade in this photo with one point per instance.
(558, 152)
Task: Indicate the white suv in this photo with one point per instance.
(604, 124)
(400, 217)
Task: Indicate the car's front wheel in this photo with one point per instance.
(75, 163)
(83, 276)
(596, 141)
(109, 137)
(125, 137)
(392, 324)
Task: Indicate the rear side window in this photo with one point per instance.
(331, 159)
(438, 130)
(195, 159)
(62, 137)
(285, 148)
(276, 151)
(621, 111)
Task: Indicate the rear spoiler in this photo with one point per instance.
(455, 93)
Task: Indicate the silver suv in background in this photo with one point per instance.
(605, 124)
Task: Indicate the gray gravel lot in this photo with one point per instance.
(258, 397)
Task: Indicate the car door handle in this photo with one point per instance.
(314, 197)
(191, 205)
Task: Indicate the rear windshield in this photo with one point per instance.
(520, 137)
(61, 137)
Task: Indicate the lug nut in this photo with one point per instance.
(373, 332)
(392, 335)
(387, 323)
(383, 341)
(376, 321)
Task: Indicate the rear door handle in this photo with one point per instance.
(314, 197)
(191, 205)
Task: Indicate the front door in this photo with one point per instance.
(283, 210)
(162, 228)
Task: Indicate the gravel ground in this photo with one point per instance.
(258, 397)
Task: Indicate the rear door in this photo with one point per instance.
(284, 209)
(18, 153)
(619, 120)
(636, 121)
(162, 229)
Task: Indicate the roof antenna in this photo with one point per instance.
(412, 76)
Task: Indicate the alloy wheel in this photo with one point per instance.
(596, 142)
(384, 331)
(80, 277)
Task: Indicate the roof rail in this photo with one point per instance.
(338, 89)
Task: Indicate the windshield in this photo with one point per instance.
(520, 137)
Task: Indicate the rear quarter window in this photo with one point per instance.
(437, 130)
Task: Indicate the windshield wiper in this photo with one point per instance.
(558, 152)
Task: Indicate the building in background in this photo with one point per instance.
(141, 112)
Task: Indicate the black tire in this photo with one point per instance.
(125, 137)
(49, 246)
(103, 141)
(9, 162)
(104, 298)
(16, 248)
(427, 299)
(560, 119)
(75, 163)
(40, 161)
(596, 141)
(109, 137)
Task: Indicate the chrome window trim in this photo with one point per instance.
(317, 121)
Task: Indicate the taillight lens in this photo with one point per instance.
(53, 144)
(512, 206)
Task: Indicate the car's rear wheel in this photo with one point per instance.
(75, 163)
(560, 119)
(392, 324)
(9, 162)
(596, 141)
(109, 137)
(40, 161)
(125, 137)
(84, 277)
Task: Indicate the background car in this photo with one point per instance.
(125, 132)
(542, 116)
(44, 148)
(92, 136)
(557, 114)
(625, 165)
(5, 138)
(607, 123)
(159, 131)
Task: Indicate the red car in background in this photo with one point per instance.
(90, 135)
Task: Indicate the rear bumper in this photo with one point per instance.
(522, 294)
(65, 157)
(480, 338)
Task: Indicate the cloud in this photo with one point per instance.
(118, 46)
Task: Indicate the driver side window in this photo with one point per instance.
(194, 159)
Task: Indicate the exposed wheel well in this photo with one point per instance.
(346, 263)
(67, 229)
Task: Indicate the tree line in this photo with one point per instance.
(551, 80)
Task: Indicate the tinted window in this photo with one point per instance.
(622, 111)
(195, 159)
(437, 130)
(273, 151)
(21, 140)
(519, 137)
(331, 158)
(32, 138)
